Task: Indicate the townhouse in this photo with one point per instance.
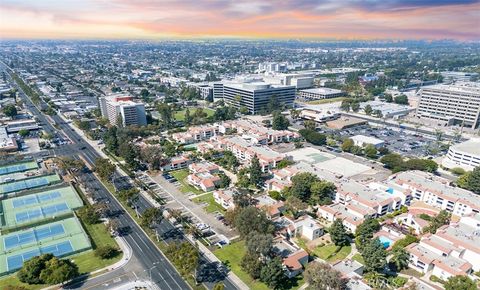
(175, 163)
(202, 175)
(257, 133)
(225, 198)
(196, 134)
(245, 151)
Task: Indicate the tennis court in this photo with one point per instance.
(19, 167)
(29, 183)
(310, 155)
(36, 207)
(60, 238)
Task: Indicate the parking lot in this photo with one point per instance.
(397, 140)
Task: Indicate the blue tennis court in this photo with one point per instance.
(35, 199)
(18, 167)
(60, 249)
(33, 236)
(45, 211)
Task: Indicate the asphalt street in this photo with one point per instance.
(146, 257)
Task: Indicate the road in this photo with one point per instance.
(146, 256)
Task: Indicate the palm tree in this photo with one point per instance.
(400, 258)
(375, 279)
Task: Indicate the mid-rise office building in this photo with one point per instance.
(320, 93)
(116, 106)
(256, 95)
(457, 104)
(453, 76)
(465, 155)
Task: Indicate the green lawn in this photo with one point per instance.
(358, 258)
(231, 256)
(330, 253)
(212, 205)
(180, 115)
(100, 236)
(181, 176)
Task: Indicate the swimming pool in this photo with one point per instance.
(386, 242)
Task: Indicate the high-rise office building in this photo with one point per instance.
(115, 106)
(457, 104)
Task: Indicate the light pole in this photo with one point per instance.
(150, 270)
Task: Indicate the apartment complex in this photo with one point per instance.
(453, 250)
(452, 104)
(255, 95)
(320, 93)
(258, 133)
(437, 192)
(116, 106)
(465, 155)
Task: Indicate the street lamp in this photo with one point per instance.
(150, 270)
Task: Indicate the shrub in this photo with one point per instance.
(434, 278)
(457, 171)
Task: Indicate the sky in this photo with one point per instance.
(288, 19)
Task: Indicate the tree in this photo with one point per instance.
(58, 271)
(473, 182)
(347, 145)
(321, 276)
(338, 233)
(184, 256)
(442, 218)
(401, 100)
(23, 132)
(400, 258)
(31, 269)
(295, 113)
(313, 136)
(370, 151)
(310, 125)
(259, 244)
(251, 264)
(301, 184)
(345, 106)
(251, 219)
(255, 171)
(460, 282)
(104, 168)
(224, 180)
(273, 274)
(368, 109)
(188, 118)
(374, 255)
(129, 195)
(365, 231)
(355, 106)
(88, 215)
(322, 192)
(392, 160)
(284, 163)
(378, 114)
(10, 110)
(376, 280)
(151, 216)
(388, 98)
(106, 252)
(279, 122)
(218, 286)
(295, 205)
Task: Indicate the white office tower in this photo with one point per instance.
(116, 106)
(457, 104)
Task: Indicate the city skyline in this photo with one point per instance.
(150, 19)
